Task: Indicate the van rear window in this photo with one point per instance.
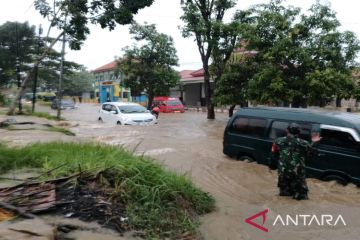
(249, 126)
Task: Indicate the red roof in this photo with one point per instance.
(106, 67)
(192, 75)
(198, 73)
(186, 73)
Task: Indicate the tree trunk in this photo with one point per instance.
(244, 104)
(29, 76)
(208, 92)
(150, 100)
(295, 102)
(338, 101)
(322, 103)
(231, 110)
(304, 103)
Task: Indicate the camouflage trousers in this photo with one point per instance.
(292, 184)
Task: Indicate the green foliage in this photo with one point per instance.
(16, 39)
(301, 58)
(41, 115)
(27, 49)
(232, 87)
(77, 82)
(80, 13)
(326, 83)
(227, 37)
(162, 203)
(149, 67)
(49, 71)
(233, 68)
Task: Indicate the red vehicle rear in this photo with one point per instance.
(168, 104)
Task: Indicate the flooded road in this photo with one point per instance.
(192, 145)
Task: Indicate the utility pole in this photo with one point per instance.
(36, 70)
(61, 76)
(121, 85)
(18, 65)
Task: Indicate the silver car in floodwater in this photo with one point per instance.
(124, 113)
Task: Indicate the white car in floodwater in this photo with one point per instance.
(124, 113)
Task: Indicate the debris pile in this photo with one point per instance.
(84, 195)
(92, 199)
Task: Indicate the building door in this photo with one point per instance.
(106, 94)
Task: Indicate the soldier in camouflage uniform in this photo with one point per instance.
(288, 156)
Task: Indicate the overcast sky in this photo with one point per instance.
(103, 46)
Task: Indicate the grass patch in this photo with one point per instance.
(12, 128)
(41, 115)
(160, 203)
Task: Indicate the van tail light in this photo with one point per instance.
(274, 148)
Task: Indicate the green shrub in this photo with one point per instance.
(159, 202)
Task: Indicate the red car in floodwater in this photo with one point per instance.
(168, 104)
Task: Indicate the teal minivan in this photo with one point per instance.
(250, 132)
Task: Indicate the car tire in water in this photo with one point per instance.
(246, 159)
(339, 179)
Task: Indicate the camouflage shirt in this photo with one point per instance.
(289, 154)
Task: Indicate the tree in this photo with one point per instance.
(232, 87)
(73, 17)
(149, 67)
(16, 41)
(49, 70)
(203, 20)
(302, 58)
(75, 83)
(12, 33)
(228, 38)
(233, 67)
(277, 38)
(333, 53)
(356, 91)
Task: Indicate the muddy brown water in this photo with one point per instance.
(190, 144)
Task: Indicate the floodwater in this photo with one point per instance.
(190, 144)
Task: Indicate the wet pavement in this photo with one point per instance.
(190, 144)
